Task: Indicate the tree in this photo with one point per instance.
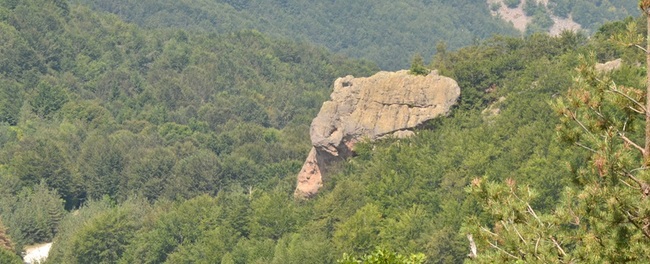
(63, 250)
(603, 218)
(9, 257)
(49, 98)
(36, 215)
(194, 175)
(105, 236)
(101, 163)
(512, 3)
(417, 66)
(644, 5)
(11, 100)
(5, 241)
(382, 256)
(43, 159)
(359, 233)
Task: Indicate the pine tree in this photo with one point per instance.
(605, 217)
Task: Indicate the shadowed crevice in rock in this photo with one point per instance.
(387, 103)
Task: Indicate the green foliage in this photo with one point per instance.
(417, 66)
(196, 174)
(11, 100)
(9, 257)
(180, 227)
(48, 98)
(381, 256)
(600, 218)
(360, 232)
(512, 3)
(34, 216)
(495, 6)
(104, 233)
(272, 215)
(5, 240)
(387, 36)
(62, 250)
(302, 248)
(209, 128)
(103, 107)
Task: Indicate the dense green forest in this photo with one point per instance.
(93, 107)
(386, 32)
(168, 144)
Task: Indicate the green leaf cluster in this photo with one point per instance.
(380, 256)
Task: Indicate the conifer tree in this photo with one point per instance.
(644, 5)
(605, 217)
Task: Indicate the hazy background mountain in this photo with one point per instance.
(386, 32)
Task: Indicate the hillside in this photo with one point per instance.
(150, 143)
(93, 107)
(386, 32)
(403, 195)
(555, 16)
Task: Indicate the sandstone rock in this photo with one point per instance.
(373, 107)
(609, 66)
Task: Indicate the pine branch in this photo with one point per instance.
(643, 230)
(635, 110)
(558, 246)
(615, 90)
(644, 187)
(519, 234)
(585, 147)
(642, 48)
(502, 250)
(573, 116)
(629, 141)
(488, 231)
(532, 212)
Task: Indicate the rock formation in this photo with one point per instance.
(385, 104)
(609, 66)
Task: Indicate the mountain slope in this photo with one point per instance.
(94, 107)
(386, 32)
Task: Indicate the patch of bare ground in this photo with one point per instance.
(562, 24)
(36, 253)
(519, 20)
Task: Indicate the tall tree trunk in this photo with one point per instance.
(646, 153)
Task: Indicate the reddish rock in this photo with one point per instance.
(385, 104)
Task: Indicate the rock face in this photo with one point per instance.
(609, 66)
(385, 104)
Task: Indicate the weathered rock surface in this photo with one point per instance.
(387, 103)
(609, 66)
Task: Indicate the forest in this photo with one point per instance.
(385, 32)
(127, 138)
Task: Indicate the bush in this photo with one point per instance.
(495, 6)
(417, 66)
(8, 257)
(512, 3)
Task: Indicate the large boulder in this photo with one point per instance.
(385, 104)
